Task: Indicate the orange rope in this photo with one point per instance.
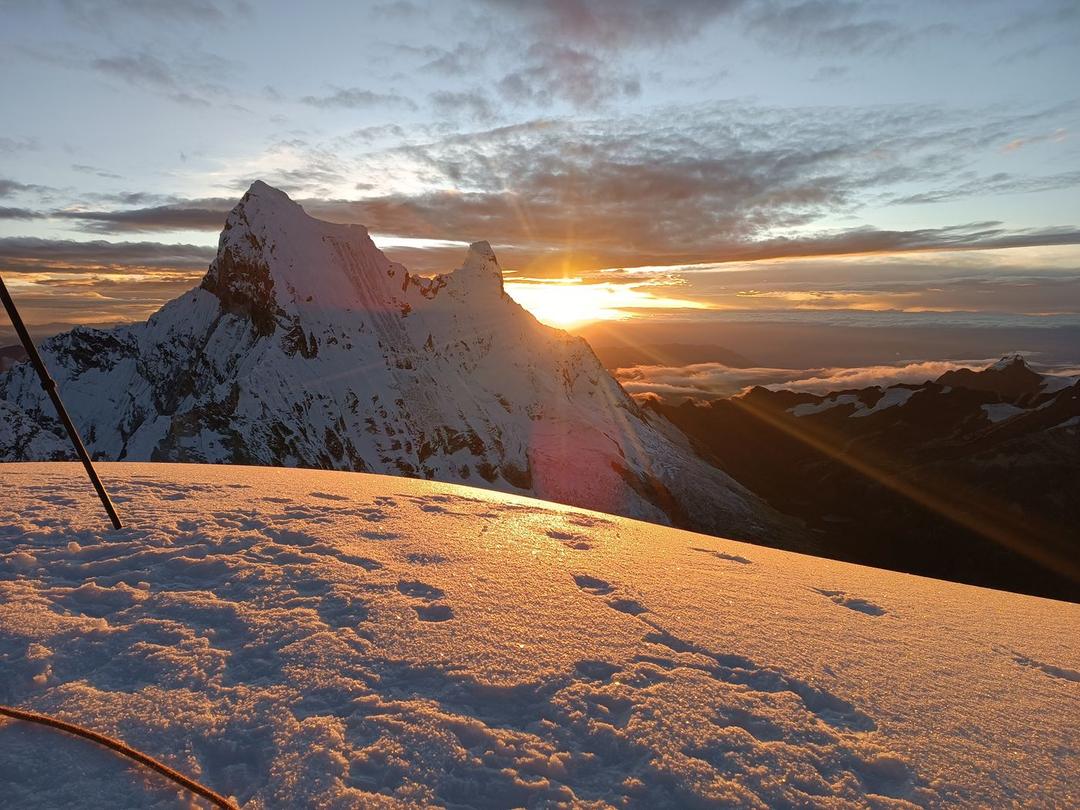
(122, 748)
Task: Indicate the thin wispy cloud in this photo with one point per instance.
(473, 105)
(102, 12)
(355, 98)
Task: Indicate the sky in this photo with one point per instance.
(710, 160)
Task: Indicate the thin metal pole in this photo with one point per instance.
(49, 384)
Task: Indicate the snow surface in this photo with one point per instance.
(1000, 411)
(324, 639)
(811, 408)
(1053, 383)
(892, 398)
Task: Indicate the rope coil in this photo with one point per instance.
(122, 748)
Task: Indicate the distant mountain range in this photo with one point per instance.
(973, 477)
(305, 346)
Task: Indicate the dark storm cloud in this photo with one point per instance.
(34, 255)
(355, 98)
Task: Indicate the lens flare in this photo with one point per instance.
(570, 302)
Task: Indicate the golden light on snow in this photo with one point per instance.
(571, 302)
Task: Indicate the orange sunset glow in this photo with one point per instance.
(570, 302)
(534, 404)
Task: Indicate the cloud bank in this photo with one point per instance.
(706, 381)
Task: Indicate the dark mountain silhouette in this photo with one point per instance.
(975, 480)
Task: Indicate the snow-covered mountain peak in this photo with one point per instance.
(1010, 360)
(481, 267)
(480, 258)
(266, 193)
(275, 262)
(306, 346)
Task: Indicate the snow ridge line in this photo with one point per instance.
(124, 749)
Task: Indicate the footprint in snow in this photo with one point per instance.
(852, 603)
(600, 587)
(597, 587)
(379, 536)
(328, 496)
(422, 558)
(420, 590)
(436, 612)
(570, 539)
(596, 670)
(430, 609)
(631, 606)
(1051, 670)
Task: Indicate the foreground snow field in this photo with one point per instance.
(299, 638)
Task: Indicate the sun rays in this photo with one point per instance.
(571, 302)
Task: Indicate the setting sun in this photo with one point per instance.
(570, 302)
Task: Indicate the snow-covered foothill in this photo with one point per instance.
(324, 639)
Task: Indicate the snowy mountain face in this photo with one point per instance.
(305, 346)
(437, 646)
(970, 477)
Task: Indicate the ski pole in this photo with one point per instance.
(49, 384)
